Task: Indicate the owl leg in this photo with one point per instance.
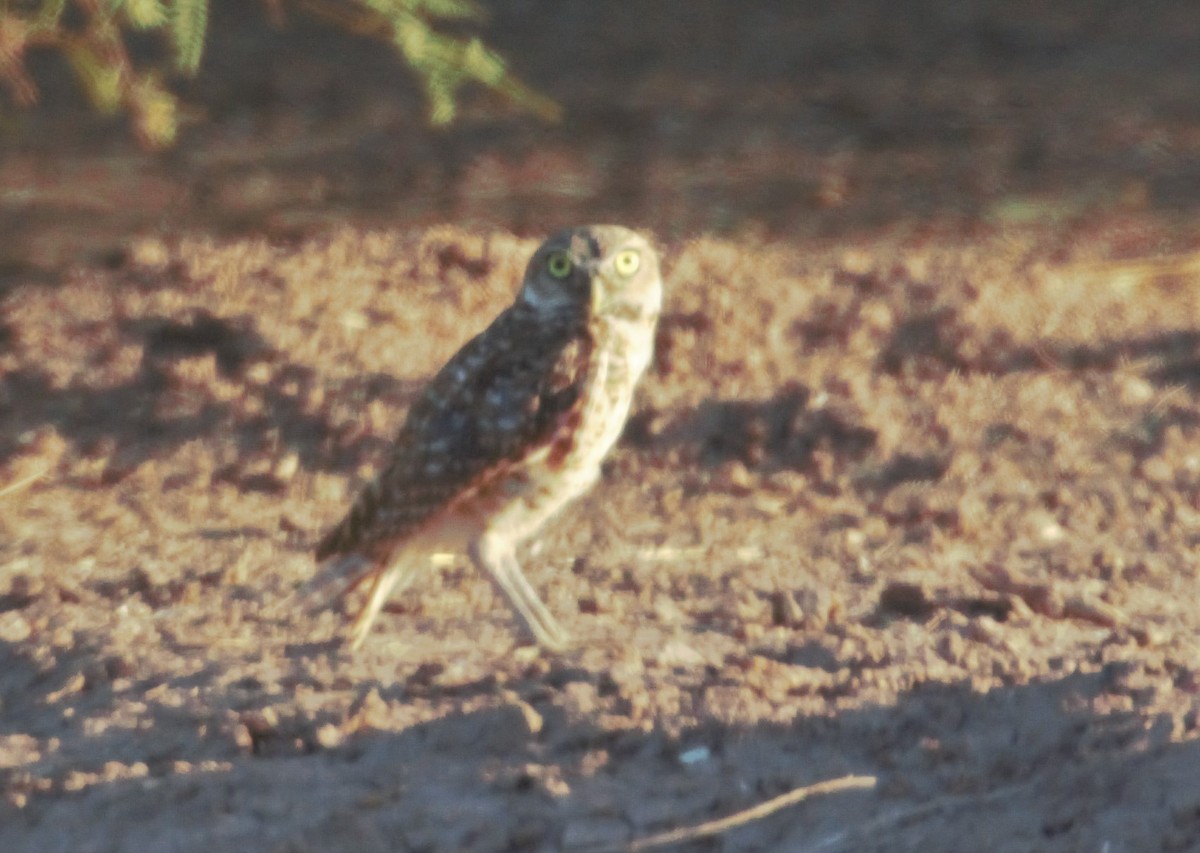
(497, 557)
(384, 581)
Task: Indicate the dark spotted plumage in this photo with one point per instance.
(515, 425)
(504, 395)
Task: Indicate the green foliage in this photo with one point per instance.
(189, 21)
(90, 34)
(443, 62)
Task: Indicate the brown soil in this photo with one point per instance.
(912, 489)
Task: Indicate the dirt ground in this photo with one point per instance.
(911, 491)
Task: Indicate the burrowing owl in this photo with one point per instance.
(514, 426)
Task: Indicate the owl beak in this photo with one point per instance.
(599, 290)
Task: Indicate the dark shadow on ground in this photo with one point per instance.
(155, 412)
(520, 766)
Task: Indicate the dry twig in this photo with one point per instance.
(13, 488)
(715, 827)
(875, 828)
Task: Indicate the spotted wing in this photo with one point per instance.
(502, 396)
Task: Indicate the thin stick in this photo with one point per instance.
(22, 483)
(873, 828)
(713, 827)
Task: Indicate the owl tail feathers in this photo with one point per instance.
(347, 536)
(335, 541)
(334, 579)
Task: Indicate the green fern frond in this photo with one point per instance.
(489, 68)
(48, 16)
(155, 111)
(101, 80)
(189, 23)
(92, 36)
(447, 10)
(445, 63)
(145, 14)
(444, 9)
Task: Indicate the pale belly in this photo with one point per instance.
(542, 485)
(522, 499)
(539, 489)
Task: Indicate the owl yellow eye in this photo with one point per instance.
(559, 265)
(627, 263)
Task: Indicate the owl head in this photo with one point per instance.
(597, 271)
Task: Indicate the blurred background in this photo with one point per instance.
(811, 119)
